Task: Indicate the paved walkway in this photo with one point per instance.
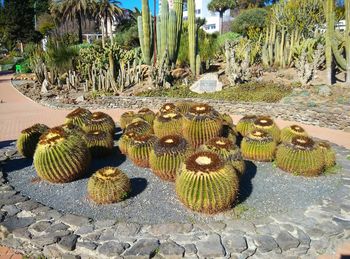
(18, 112)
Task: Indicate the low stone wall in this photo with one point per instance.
(334, 116)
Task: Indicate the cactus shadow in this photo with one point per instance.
(16, 164)
(117, 134)
(246, 186)
(138, 185)
(239, 139)
(7, 143)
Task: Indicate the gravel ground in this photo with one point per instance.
(264, 190)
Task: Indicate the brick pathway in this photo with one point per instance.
(18, 112)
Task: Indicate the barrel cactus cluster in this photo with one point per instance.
(190, 144)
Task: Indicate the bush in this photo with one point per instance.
(250, 19)
(229, 36)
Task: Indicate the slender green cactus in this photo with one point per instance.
(172, 34)
(192, 34)
(146, 32)
(178, 7)
(140, 31)
(159, 38)
(164, 26)
(332, 43)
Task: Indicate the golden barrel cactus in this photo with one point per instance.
(246, 124)
(201, 124)
(139, 149)
(29, 138)
(61, 158)
(289, 132)
(227, 150)
(79, 117)
(126, 118)
(125, 140)
(100, 121)
(205, 183)
(328, 154)
(167, 155)
(167, 124)
(267, 124)
(139, 126)
(301, 157)
(100, 143)
(259, 145)
(184, 107)
(108, 185)
(168, 107)
(147, 114)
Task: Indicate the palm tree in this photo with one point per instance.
(108, 11)
(77, 10)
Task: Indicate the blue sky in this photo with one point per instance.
(130, 4)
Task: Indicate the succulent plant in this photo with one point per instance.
(167, 124)
(201, 124)
(100, 121)
(267, 124)
(72, 129)
(29, 138)
(301, 157)
(125, 140)
(259, 145)
(100, 143)
(328, 154)
(246, 124)
(126, 118)
(139, 149)
(184, 107)
(139, 126)
(79, 117)
(205, 183)
(167, 155)
(168, 107)
(108, 185)
(147, 115)
(227, 150)
(61, 158)
(289, 132)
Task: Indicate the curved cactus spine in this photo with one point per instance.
(172, 33)
(192, 35)
(164, 16)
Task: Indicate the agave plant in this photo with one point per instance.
(205, 183)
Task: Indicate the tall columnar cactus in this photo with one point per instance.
(178, 7)
(333, 38)
(172, 36)
(145, 34)
(192, 34)
(164, 17)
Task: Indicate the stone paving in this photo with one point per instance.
(35, 229)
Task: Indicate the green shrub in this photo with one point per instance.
(229, 36)
(250, 19)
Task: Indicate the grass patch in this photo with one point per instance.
(249, 92)
(333, 170)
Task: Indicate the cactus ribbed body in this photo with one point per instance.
(29, 138)
(168, 107)
(178, 7)
(300, 157)
(168, 124)
(289, 132)
(192, 35)
(61, 158)
(147, 115)
(172, 34)
(164, 16)
(100, 143)
(245, 124)
(201, 124)
(328, 154)
(228, 128)
(72, 129)
(100, 121)
(167, 156)
(140, 127)
(205, 183)
(159, 38)
(125, 140)
(184, 107)
(267, 124)
(79, 117)
(146, 28)
(141, 35)
(259, 145)
(126, 118)
(108, 185)
(227, 150)
(140, 148)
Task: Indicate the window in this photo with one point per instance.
(198, 11)
(185, 18)
(210, 27)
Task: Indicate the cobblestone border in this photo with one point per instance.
(36, 229)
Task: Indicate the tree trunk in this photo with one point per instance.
(111, 25)
(80, 27)
(105, 20)
(221, 23)
(103, 29)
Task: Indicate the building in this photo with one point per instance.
(212, 18)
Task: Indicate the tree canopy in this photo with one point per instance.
(221, 5)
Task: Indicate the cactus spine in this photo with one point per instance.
(192, 34)
(332, 44)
